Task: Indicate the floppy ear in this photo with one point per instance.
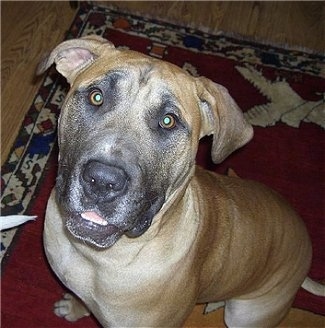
(221, 117)
(74, 55)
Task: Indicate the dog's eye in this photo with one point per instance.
(168, 121)
(96, 97)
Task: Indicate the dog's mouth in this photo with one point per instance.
(91, 227)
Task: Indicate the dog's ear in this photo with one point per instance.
(74, 55)
(221, 116)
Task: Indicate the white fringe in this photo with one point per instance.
(10, 221)
(313, 287)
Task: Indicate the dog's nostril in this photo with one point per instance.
(103, 180)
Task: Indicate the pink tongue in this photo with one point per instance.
(94, 217)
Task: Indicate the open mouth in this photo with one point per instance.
(91, 227)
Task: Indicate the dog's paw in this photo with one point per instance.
(70, 308)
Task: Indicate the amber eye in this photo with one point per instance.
(168, 121)
(96, 97)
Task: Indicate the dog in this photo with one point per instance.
(136, 230)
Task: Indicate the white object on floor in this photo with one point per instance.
(10, 221)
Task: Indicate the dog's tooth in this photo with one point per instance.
(94, 217)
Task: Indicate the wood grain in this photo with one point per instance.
(29, 29)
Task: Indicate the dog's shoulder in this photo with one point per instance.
(225, 187)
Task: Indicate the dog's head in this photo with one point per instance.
(128, 136)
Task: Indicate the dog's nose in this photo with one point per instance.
(102, 181)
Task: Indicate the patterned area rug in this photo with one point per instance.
(281, 92)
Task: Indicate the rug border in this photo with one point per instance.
(286, 54)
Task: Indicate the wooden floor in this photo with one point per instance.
(30, 29)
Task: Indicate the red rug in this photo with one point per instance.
(281, 92)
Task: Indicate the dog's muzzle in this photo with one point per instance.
(103, 182)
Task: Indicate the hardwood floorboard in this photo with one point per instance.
(28, 30)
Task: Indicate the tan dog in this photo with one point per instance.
(136, 230)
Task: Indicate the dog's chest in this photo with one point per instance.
(115, 271)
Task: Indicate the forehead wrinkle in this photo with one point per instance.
(145, 73)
